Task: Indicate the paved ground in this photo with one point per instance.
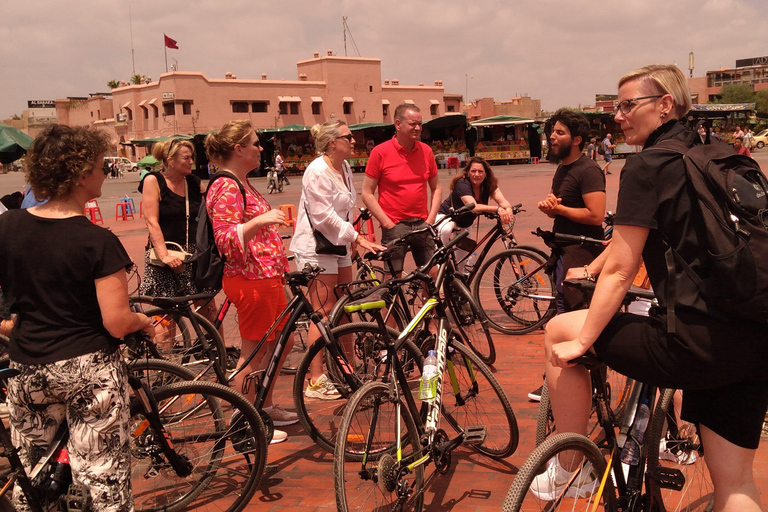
(303, 480)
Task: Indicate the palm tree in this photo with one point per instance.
(137, 79)
(112, 84)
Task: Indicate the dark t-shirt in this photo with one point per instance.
(47, 273)
(172, 216)
(653, 193)
(463, 188)
(570, 183)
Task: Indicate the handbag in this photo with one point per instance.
(322, 244)
(178, 251)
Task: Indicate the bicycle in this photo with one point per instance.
(670, 475)
(185, 452)
(386, 440)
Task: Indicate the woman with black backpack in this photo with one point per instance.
(718, 360)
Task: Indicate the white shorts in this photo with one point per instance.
(331, 263)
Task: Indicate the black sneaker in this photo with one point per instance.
(535, 395)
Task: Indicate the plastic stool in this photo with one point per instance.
(123, 210)
(535, 160)
(129, 201)
(290, 213)
(93, 212)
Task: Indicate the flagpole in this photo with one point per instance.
(165, 48)
(130, 25)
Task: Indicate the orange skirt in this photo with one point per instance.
(259, 302)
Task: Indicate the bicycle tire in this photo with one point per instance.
(373, 484)
(223, 477)
(320, 418)
(545, 421)
(568, 448)
(669, 449)
(156, 373)
(183, 347)
(512, 301)
(470, 322)
(478, 403)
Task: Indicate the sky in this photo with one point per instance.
(562, 52)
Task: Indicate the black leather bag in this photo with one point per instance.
(322, 244)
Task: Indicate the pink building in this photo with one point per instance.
(347, 88)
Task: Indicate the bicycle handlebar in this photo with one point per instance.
(556, 240)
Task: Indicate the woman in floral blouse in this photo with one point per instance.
(255, 256)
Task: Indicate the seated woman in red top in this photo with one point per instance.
(255, 256)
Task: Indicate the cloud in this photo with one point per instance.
(562, 52)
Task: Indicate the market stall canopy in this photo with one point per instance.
(148, 161)
(365, 126)
(502, 120)
(289, 128)
(13, 143)
(447, 121)
(152, 140)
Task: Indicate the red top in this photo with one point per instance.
(743, 150)
(263, 257)
(402, 177)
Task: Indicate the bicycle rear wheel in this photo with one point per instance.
(674, 451)
(321, 418)
(563, 474)
(513, 291)
(472, 397)
(377, 440)
(155, 373)
(213, 428)
(470, 322)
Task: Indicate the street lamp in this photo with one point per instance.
(690, 63)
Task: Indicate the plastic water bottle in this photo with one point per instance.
(630, 454)
(428, 386)
(470, 263)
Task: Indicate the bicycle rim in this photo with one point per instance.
(469, 321)
(542, 485)
(227, 456)
(675, 452)
(371, 425)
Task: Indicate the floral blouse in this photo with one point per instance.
(264, 256)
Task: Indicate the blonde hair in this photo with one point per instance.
(326, 133)
(220, 146)
(663, 79)
(166, 150)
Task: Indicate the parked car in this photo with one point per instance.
(760, 140)
(122, 163)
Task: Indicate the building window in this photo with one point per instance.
(370, 88)
(433, 110)
(169, 109)
(240, 107)
(260, 106)
(91, 113)
(316, 108)
(155, 111)
(347, 107)
(282, 108)
(130, 113)
(451, 108)
(294, 108)
(186, 108)
(146, 112)
(385, 110)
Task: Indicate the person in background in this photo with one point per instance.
(328, 197)
(592, 149)
(72, 309)
(718, 361)
(255, 257)
(748, 136)
(738, 133)
(740, 148)
(280, 168)
(171, 201)
(608, 157)
(475, 184)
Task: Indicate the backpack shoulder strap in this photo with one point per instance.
(227, 174)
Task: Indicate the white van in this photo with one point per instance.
(121, 162)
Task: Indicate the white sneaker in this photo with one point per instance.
(678, 456)
(323, 389)
(278, 437)
(549, 485)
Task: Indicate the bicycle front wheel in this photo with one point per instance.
(212, 428)
(514, 292)
(364, 349)
(563, 474)
(470, 322)
(674, 451)
(472, 397)
(377, 441)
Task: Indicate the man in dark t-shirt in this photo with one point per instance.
(576, 202)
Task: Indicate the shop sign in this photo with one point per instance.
(41, 104)
(168, 95)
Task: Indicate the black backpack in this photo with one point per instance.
(208, 261)
(730, 210)
(600, 148)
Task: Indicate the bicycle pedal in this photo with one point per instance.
(474, 435)
(77, 498)
(668, 478)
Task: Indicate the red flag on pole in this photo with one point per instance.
(170, 43)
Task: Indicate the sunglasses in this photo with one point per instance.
(348, 136)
